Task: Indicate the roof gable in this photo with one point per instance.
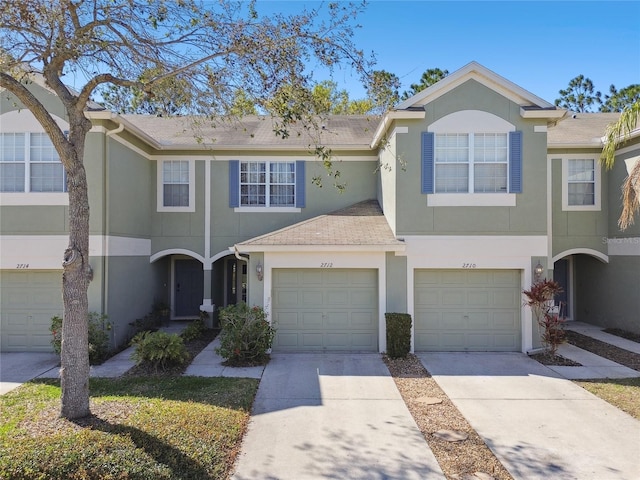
(482, 75)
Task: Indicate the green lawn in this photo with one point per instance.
(141, 428)
(623, 393)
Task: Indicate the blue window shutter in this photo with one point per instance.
(300, 185)
(427, 162)
(234, 183)
(515, 162)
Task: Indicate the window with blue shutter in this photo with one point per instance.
(234, 183)
(515, 162)
(427, 162)
(300, 184)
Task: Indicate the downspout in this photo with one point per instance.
(238, 256)
(106, 224)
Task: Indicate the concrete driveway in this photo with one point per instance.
(538, 424)
(332, 416)
(19, 367)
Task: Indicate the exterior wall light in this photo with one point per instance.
(259, 271)
(538, 270)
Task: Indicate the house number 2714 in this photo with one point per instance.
(468, 265)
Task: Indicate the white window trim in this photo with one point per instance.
(22, 198)
(247, 209)
(268, 208)
(471, 200)
(160, 184)
(596, 207)
(472, 122)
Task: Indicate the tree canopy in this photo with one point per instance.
(210, 49)
(428, 78)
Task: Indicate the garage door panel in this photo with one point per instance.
(286, 298)
(337, 320)
(479, 298)
(479, 313)
(29, 300)
(309, 298)
(338, 297)
(286, 320)
(363, 297)
(337, 310)
(310, 278)
(311, 320)
(452, 297)
(363, 320)
(505, 320)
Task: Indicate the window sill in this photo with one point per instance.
(471, 200)
(34, 198)
(267, 209)
(581, 208)
(162, 208)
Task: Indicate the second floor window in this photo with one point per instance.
(267, 184)
(30, 163)
(175, 183)
(471, 163)
(581, 181)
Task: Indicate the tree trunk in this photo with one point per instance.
(75, 282)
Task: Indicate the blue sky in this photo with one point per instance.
(540, 45)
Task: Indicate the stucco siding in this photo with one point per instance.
(396, 271)
(607, 294)
(414, 217)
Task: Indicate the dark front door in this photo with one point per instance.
(561, 275)
(189, 288)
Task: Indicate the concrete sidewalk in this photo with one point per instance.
(334, 416)
(538, 424)
(17, 368)
(596, 332)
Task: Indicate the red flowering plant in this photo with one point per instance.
(550, 324)
(246, 335)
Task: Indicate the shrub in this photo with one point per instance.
(194, 330)
(550, 325)
(246, 335)
(160, 349)
(398, 334)
(98, 336)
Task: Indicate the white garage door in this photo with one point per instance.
(29, 300)
(467, 310)
(325, 309)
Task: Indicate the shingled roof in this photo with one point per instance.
(346, 131)
(580, 129)
(362, 224)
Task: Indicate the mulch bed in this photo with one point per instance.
(193, 347)
(460, 459)
(634, 337)
(605, 350)
(555, 360)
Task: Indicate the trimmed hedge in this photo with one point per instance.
(398, 334)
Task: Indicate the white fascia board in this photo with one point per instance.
(556, 114)
(389, 117)
(318, 248)
(593, 144)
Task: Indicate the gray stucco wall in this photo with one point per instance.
(608, 294)
(528, 217)
(396, 270)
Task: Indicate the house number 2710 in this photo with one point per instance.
(326, 265)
